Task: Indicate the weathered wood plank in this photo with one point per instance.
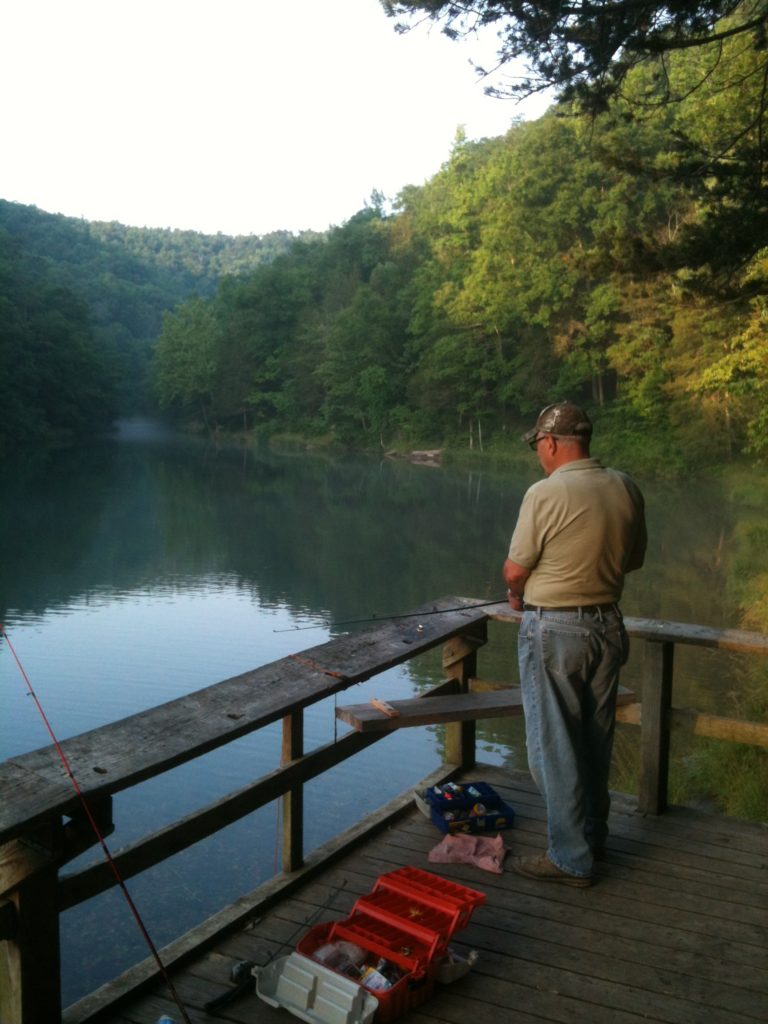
(659, 938)
(660, 630)
(178, 836)
(9, 921)
(662, 943)
(200, 939)
(654, 733)
(113, 757)
(275, 922)
(413, 712)
(22, 859)
(30, 986)
(460, 707)
(461, 647)
(645, 881)
(616, 907)
(498, 924)
(461, 665)
(293, 800)
(716, 727)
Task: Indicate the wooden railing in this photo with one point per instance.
(43, 827)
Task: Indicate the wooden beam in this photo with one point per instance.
(733, 730)
(158, 846)
(9, 921)
(459, 648)
(460, 663)
(30, 974)
(460, 707)
(660, 630)
(114, 757)
(153, 849)
(630, 714)
(293, 800)
(654, 734)
(22, 859)
(412, 712)
(192, 943)
(485, 685)
(717, 728)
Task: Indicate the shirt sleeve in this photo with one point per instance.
(526, 544)
(636, 554)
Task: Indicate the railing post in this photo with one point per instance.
(30, 971)
(293, 801)
(460, 663)
(654, 732)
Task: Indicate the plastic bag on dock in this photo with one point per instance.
(481, 851)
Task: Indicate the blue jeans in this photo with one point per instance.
(569, 674)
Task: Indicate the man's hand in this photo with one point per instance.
(515, 576)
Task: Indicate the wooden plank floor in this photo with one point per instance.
(675, 928)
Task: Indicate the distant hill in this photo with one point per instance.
(125, 277)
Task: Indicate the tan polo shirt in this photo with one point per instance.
(577, 532)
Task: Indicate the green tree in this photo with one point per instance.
(736, 383)
(586, 50)
(55, 382)
(186, 359)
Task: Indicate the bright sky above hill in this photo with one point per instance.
(240, 116)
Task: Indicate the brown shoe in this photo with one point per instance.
(543, 870)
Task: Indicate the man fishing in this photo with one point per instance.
(578, 533)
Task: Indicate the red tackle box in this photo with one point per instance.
(406, 922)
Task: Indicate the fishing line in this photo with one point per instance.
(97, 832)
(391, 618)
(246, 968)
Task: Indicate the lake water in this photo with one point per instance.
(150, 565)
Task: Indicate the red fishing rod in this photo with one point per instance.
(98, 833)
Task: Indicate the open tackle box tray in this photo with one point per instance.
(472, 807)
(383, 959)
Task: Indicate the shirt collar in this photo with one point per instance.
(590, 463)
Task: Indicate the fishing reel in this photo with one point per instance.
(242, 980)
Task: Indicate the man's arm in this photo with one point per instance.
(515, 576)
(636, 556)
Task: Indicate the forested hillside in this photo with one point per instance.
(615, 252)
(616, 258)
(81, 306)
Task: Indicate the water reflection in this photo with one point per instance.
(150, 565)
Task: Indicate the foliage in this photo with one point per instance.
(587, 50)
(55, 383)
(617, 259)
(126, 278)
(570, 257)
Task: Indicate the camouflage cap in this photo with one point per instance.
(563, 419)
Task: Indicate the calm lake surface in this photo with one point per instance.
(150, 565)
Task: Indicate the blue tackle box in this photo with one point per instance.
(467, 807)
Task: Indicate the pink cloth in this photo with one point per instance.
(482, 851)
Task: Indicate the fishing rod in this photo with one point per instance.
(242, 974)
(392, 618)
(98, 833)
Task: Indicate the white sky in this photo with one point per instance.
(240, 116)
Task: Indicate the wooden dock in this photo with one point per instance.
(675, 928)
(675, 931)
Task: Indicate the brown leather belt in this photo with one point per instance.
(588, 609)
